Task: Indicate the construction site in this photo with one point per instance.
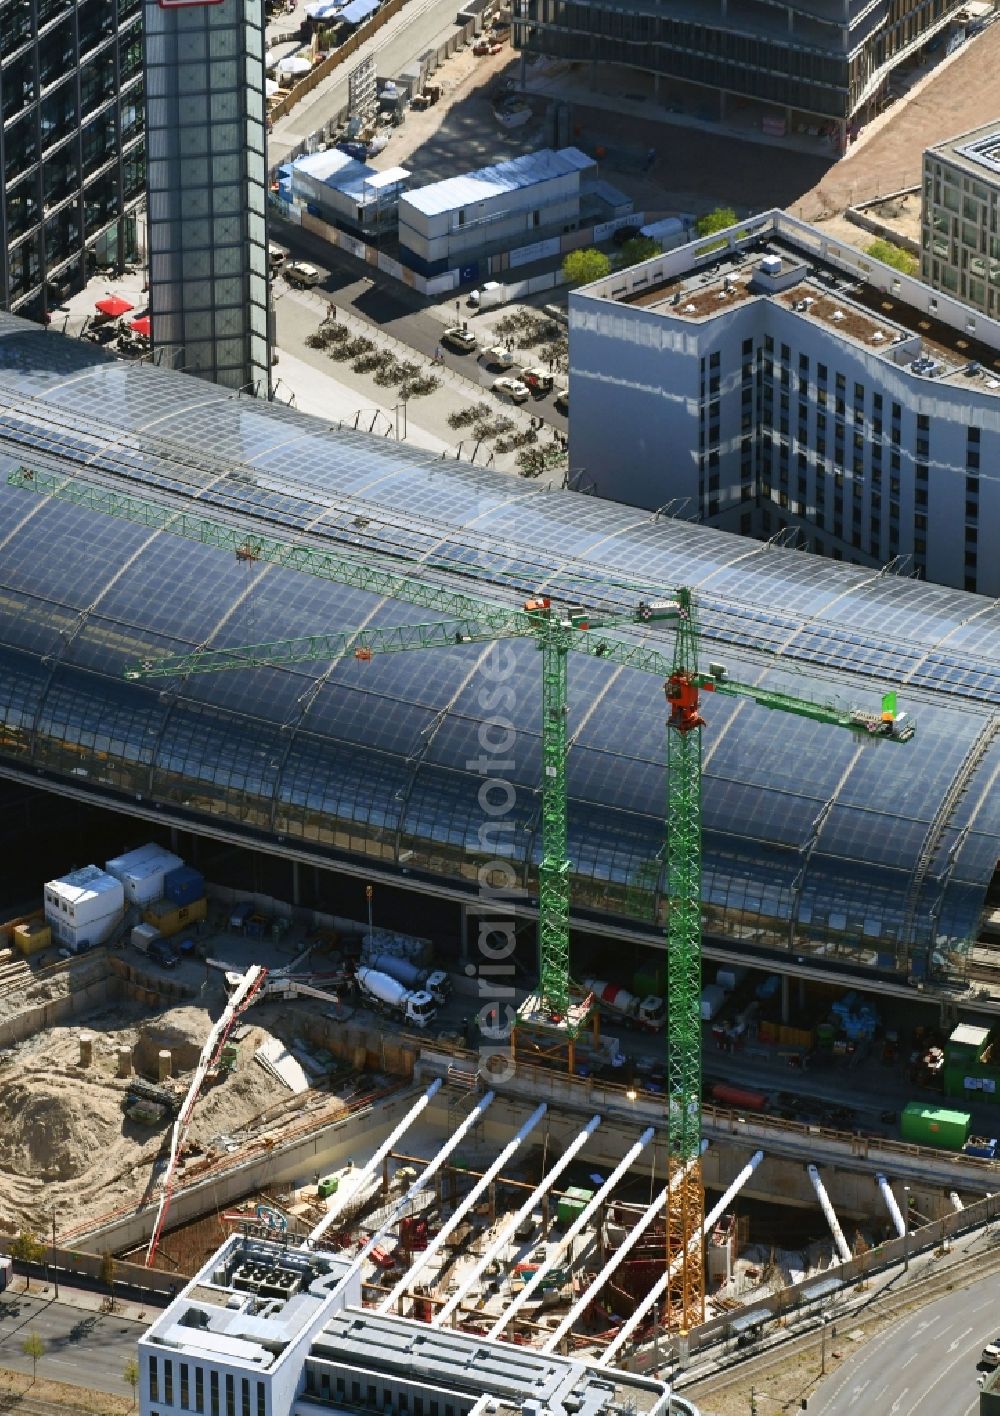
(558, 772)
(166, 1113)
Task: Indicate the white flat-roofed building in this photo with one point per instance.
(458, 222)
(268, 1328)
(772, 381)
(86, 904)
(346, 192)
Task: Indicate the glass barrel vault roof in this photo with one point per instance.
(813, 839)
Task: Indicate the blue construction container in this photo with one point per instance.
(184, 885)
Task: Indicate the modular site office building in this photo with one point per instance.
(773, 381)
(276, 1329)
(798, 65)
(818, 851)
(71, 144)
(86, 904)
(344, 192)
(460, 222)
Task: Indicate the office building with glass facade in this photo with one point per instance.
(71, 145)
(775, 382)
(801, 65)
(960, 218)
(205, 124)
(874, 858)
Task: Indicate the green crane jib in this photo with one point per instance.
(473, 619)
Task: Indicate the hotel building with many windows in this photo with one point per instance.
(775, 382)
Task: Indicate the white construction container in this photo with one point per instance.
(86, 903)
(123, 863)
(141, 872)
(144, 882)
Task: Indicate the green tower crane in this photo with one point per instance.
(558, 631)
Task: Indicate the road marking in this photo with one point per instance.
(856, 1391)
(898, 1402)
(909, 1359)
(961, 1336)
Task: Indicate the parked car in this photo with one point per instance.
(301, 274)
(487, 46)
(161, 953)
(513, 389)
(497, 357)
(561, 401)
(460, 338)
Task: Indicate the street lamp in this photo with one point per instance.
(906, 1228)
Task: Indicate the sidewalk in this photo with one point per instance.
(84, 1299)
(333, 389)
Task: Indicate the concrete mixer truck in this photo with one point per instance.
(387, 995)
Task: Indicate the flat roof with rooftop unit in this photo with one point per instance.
(780, 366)
(274, 1327)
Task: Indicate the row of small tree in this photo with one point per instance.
(27, 1248)
(584, 266)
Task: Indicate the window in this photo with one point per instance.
(230, 1394)
(199, 1389)
(168, 1381)
(245, 1395)
(185, 1387)
(154, 1380)
(213, 1394)
(261, 1400)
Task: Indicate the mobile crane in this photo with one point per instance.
(557, 630)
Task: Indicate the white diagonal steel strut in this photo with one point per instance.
(362, 1255)
(620, 1255)
(511, 1225)
(581, 1220)
(485, 1180)
(659, 1288)
(826, 1205)
(370, 1169)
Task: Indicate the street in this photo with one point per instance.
(83, 1348)
(420, 25)
(388, 307)
(924, 1365)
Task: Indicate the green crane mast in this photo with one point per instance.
(557, 631)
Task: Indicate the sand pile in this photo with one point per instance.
(49, 1133)
(182, 1030)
